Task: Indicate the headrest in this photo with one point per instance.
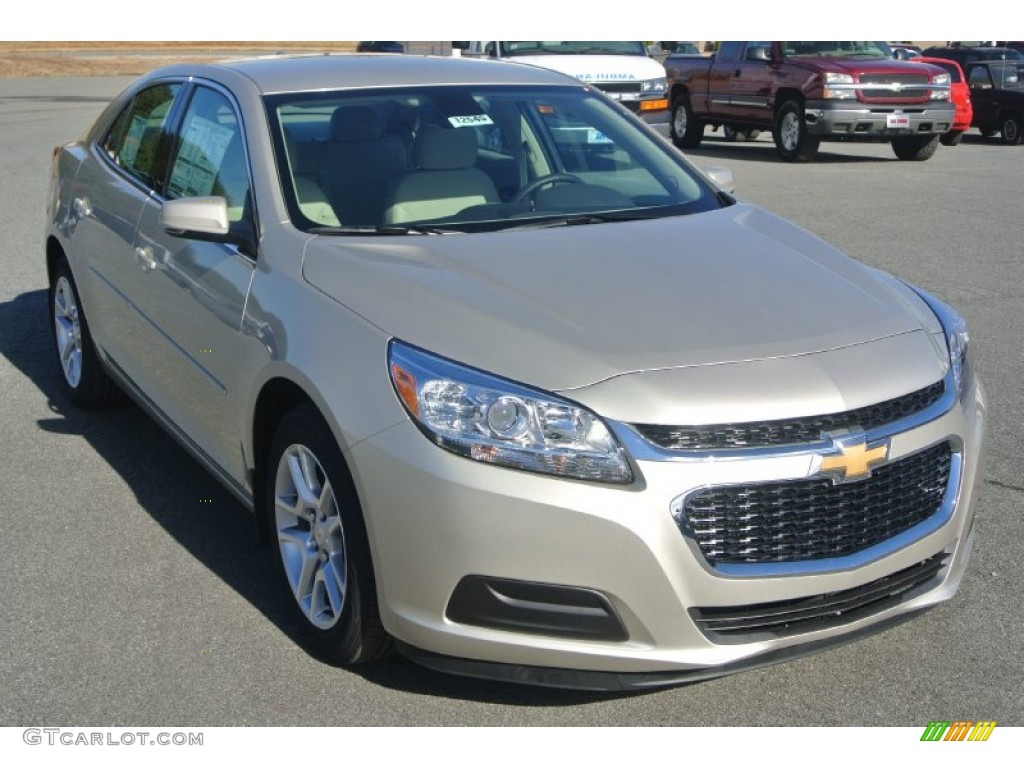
(444, 149)
(355, 124)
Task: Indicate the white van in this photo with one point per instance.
(622, 70)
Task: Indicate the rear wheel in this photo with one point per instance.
(951, 138)
(1010, 129)
(85, 381)
(793, 142)
(687, 130)
(323, 553)
(915, 147)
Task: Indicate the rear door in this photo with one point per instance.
(115, 180)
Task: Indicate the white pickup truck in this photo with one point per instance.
(622, 70)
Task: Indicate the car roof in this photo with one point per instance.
(320, 72)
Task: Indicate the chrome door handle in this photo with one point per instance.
(146, 258)
(82, 207)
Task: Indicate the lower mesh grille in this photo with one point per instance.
(799, 520)
(745, 623)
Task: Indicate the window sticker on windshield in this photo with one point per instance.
(470, 121)
(202, 148)
(595, 136)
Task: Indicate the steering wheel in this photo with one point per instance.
(543, 181)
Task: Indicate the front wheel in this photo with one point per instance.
(323, 553)
(686, 129)
(1010, 129)
(793, 142)
(915, 147)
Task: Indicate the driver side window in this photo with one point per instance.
(210, 159)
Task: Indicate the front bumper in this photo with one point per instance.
(435, 518)
(873, 122)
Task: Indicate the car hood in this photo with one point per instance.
(566, 307)
(863, 65)
(598, 68)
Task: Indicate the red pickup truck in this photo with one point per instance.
(808, 92)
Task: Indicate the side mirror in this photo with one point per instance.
(759, 53)
(722, 177)
(195, 216)
(206, 219)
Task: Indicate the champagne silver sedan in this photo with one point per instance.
(507, 383)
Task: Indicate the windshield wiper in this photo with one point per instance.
(383, 229)
(576, 219)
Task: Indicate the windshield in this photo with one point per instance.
(467, 158)
(874, 50)
(564, 47)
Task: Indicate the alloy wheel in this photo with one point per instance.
(68, 330)
(310, 536)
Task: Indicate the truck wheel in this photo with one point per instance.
(915, 147)
(951, 138)
(1011, 129)
(793, 142)
(687, 131)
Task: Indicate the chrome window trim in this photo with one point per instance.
(834, 564)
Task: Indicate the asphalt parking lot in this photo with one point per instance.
(134, 591)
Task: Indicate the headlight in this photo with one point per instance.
(489, 419)
(954, 329)
(839, 86)
(943, 82)
(659, 85)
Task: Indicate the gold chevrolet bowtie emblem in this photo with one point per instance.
(854, 460)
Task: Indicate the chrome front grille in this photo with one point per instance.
(618, 87)
(796, 521)
(760, 434)
(901, 88)
(747, 623)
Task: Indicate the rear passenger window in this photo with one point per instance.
(134, 139)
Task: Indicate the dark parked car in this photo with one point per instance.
(966, 55)
(997, 95)
(380, 46)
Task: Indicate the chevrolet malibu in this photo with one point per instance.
(508, 385)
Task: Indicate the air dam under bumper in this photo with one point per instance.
(435, 518)
(853, 120)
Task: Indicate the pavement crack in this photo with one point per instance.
(1007, 486)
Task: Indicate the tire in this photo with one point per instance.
(987, 131)
(1011, 129)
(915, 147)
(951, 138)
(85, 381)
(793, 142)
(321, 548)
(686, 130)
